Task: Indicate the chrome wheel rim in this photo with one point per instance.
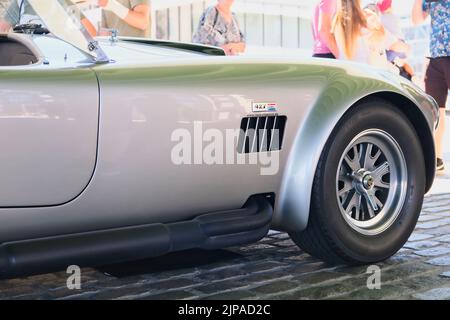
(371, 182)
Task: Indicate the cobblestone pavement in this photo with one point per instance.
(274, 268)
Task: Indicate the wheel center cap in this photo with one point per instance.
(363, 180)
(368, 182)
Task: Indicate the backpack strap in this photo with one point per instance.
(216, 18)
(21, 4)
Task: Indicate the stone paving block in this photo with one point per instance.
(64, 292)
(276, 286)
(432, 224)
(446, 219)
(388, 290)
(421, 245)
(350, 270)
(16, 291)
(319, 277)
(270, 275)
(403, 257)
(434, 294)
(441, 261)
(441, 231)
(122, 293)
(222, 273)
(301, 257)
(419, 236)
(262, 266)
(222, 286)
(437, 203)
(84, 295)
(445, 238)
(425, 218)
(443, 214)
(179, 283)
(131, 291)
(280, 236)
(435, 206)
(231, 295)
(417, 284)
(433, 252)
(285, 243)
(303, 268)
(261, 246)
(437, 196)
(321, 292)
(126, 287)
(403, 271)
(173, 295)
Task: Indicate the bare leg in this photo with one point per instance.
(440, 132)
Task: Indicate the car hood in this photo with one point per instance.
(63, 20)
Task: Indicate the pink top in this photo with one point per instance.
(324, 6)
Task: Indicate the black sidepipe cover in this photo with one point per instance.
(210, 231)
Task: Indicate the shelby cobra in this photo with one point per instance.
(96, 166)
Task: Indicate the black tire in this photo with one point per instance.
(328, 235)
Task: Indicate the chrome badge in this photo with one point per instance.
(264, 107)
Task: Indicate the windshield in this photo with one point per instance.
(61, 17)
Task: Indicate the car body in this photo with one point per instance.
(87, 137)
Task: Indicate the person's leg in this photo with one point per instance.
(437, 87)
(442, 127)
(440, 132)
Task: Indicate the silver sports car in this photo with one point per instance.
(116, 149)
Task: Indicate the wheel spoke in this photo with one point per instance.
(347, 187)
(371, 203)
(350, 202)
(358, 208)
(378, 202)
(368, 156)
(381, 184)
(370, 210)
(353, 163)
(378, 175)
(382, 170)
(342, 174)
(357, 156)
(370, 163)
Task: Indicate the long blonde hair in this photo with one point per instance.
(348, 22)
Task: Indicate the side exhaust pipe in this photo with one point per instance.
(210, 231)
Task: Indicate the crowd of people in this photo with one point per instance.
(342, 29)
(128, 17)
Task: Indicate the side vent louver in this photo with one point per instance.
(261, 134)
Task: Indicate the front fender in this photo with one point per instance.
(343, 92)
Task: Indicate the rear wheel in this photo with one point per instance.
(368, 188)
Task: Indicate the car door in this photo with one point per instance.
(48, 132)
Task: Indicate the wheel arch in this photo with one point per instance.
(419, 122)
(293, 206)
